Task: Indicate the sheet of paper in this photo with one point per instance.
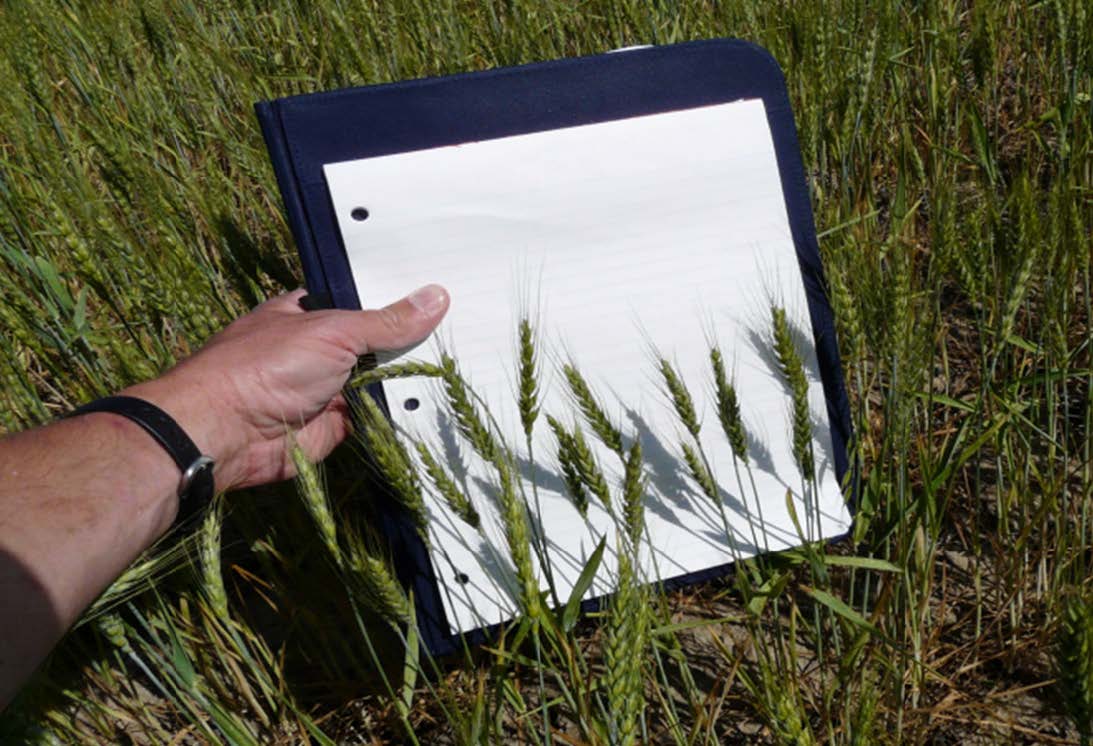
(623, 241)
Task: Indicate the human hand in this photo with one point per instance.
(278, 370)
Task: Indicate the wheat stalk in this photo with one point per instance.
(1017, 293)
(593, 413)
(515, 522)
(513, 513)
(446, 486)
(728, 408)
(397, 370)
(309, 485)
(633, 490)
(137, 577)
(369, 576)
(732, 424)
(390, 455)
(567, 459)
(377, 585)
(529, 386)
(528, 404)
(788, 724)
(700, 474)
(209, 544)
(113, 629)
(681, 398)
(624, 653)
(591, 474)
(1074, 661)
(466, 415)
(846, 309)
(794, 371)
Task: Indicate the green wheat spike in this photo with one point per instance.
(624, 654)
(514, 519)
(529, 385)
(794, 371)
(446, 486)
(846, 311)
(399, 370)
(593, 413)
(699, 473)
(681, 397)
(309, 484)
(567, 459)
(1074, 662)
(376, 584)
(592, 476)
(728, 408)
(633, 490)
(212, 577)
(389, 454)
(466, 415)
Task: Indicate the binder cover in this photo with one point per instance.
(306, 133)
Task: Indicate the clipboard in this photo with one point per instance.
(306, 133)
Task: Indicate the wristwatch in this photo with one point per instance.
(196, 487)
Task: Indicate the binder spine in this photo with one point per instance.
(269, 120)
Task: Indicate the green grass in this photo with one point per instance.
(949, 150)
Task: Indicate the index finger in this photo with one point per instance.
(285, 302)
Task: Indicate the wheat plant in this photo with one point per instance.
(948, 150)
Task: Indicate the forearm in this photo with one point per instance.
(79, 500)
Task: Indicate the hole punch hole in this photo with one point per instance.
(462, 578)
(411, 404)
(360, 214)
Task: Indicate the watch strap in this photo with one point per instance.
(196, 487)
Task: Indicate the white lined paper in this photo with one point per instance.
(657, 230)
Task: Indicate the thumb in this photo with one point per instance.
(402, 324)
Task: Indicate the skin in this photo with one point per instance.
(81, 498)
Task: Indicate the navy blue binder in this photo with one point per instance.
(305, 132)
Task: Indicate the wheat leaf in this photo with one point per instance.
(840, 607)
(584, 582)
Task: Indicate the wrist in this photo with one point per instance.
(208, 425)
(147, 493)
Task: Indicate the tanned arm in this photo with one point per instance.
(82, 497)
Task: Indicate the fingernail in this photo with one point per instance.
(430, 300)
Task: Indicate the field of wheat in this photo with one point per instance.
(949, 151)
